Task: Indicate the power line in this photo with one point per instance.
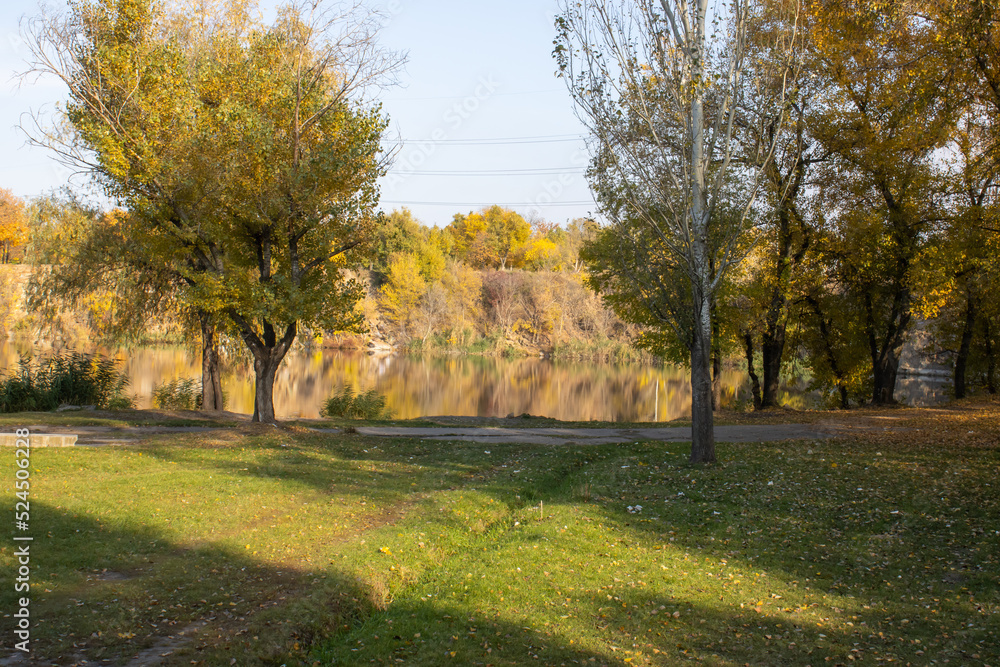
(462, 97)
(481, 203)
(495, 141)
(493, 172)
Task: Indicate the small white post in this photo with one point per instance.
(656, 410)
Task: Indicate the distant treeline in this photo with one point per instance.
(489, 283)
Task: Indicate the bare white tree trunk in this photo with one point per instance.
(702, 419)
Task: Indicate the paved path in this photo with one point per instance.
(105, 435)
(94, 436)
(596, 436)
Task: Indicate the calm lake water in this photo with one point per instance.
(466, 386)
(428, 386)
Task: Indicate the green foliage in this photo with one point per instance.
(120, 403)
(643, 284)
(368, 406)
(178, 394)
(72, 378)
(398, 232)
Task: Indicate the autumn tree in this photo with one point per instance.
(967, 37)
(831, 333)
(80, 254)
(570, 240)
(770, 286)
(249, 151)
(139, 276)
(659, 85)
(13, 233)
(402, 292)
(463, 286)
(13, 224)
(490, 238)
(397, 232)
(954, 288)
(884, 112)
(432, 310)
(964, 263)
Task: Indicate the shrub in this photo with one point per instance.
(348, 405)
(178, 394)
(121, 403)
(74, 378)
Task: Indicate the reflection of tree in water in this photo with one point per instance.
(490, 387)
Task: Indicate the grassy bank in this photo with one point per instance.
(288, 547)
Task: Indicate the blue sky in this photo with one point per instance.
(476, 71)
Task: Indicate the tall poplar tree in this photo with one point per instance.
(659, 85)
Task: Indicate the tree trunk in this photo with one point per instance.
(962, 360)
(754, 381)
(831, 356)
(885, 366)
(885, 371)
(268, 352)
(265, 368)
(772, 348)
(991, 360)
(772, 339)
(211, 374)
(772, 344)
(702, 425)
(716, 365)
(700, 258)
(265, 365)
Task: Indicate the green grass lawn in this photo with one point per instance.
(287, 547)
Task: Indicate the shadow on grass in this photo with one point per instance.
(124, 595)
(646, 622)
(106, 592)
(439, 633)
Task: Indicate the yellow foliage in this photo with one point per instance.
(540, 253)
(492, 237)
(13, 223)
(464, 286)
(402, 291)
